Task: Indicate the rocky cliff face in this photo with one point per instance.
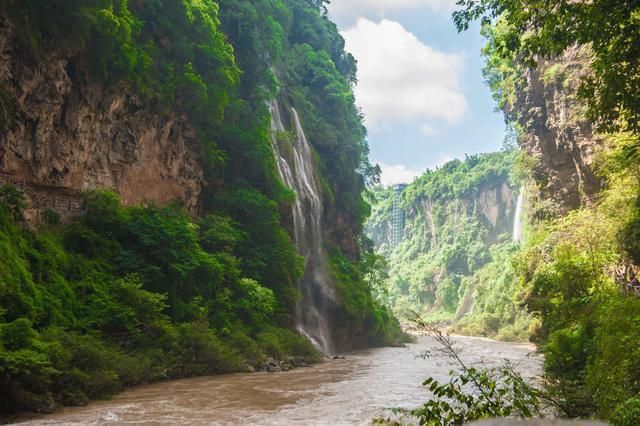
(493, 205)
(64, 134)
(497, 205)
(556, 132)
(458, 220)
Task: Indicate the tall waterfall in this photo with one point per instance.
(517, 218)
(296, 169)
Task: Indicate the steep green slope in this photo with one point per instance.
(566, 78)
(453, 260)
(127, 295)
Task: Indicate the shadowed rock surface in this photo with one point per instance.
(68, 134)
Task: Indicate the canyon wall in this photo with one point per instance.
(493, 206)
(64, 134)
(556, 133)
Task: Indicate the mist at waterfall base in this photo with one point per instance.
(297, 172)
(517, 217)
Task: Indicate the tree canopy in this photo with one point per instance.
(610, 28)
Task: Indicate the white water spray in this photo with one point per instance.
(517, 218)
(296, 169)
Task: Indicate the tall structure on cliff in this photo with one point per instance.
(397, 215)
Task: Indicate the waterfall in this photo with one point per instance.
(296, 169)
(517, 218)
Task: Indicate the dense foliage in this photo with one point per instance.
(453, 264)
(129, 295)
(125, 296)
(460, 179)
(586, 325)
(609, 27)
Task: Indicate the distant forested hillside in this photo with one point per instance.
(453, 260)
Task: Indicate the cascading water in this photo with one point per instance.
(517, 218)
(296, 169)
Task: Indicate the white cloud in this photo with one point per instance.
(428, 130)
(401, 78)
(345, 12)
(398, 173)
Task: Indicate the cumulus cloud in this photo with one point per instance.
(345, 12)
(400, 78)
(398, 173)
(428, 130)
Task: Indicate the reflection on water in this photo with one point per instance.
(347, 391)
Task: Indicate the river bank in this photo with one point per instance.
(353, 390)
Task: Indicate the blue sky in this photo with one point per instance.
(420, 84)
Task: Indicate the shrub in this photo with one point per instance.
(627, 413)
(51, 217)
(200, 352)
(279, 343)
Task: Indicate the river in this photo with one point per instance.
(344, 391)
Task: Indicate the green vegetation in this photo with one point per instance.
(459, 179)
(534, 28)
(127, 295)
(585, 325)
(502, 72)
(383, 327)
(497, 308)
(454, 264)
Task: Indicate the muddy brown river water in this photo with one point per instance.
(351, 391)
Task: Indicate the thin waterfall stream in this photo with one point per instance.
(296, 169)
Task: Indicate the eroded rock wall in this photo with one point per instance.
(64, 132)
(493, 205)
(556, 132)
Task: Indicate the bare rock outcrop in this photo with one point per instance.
(494, 204)
(64, 132)
(556, 132)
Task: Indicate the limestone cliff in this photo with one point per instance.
(64, 134)
(492, 205)
(556, 132)
(439, 231)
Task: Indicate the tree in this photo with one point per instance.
(13, 199)
(611, 28)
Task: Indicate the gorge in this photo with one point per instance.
(187, 191)
(148, 227)
(452, 262)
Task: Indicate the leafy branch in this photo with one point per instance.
(474, 393)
